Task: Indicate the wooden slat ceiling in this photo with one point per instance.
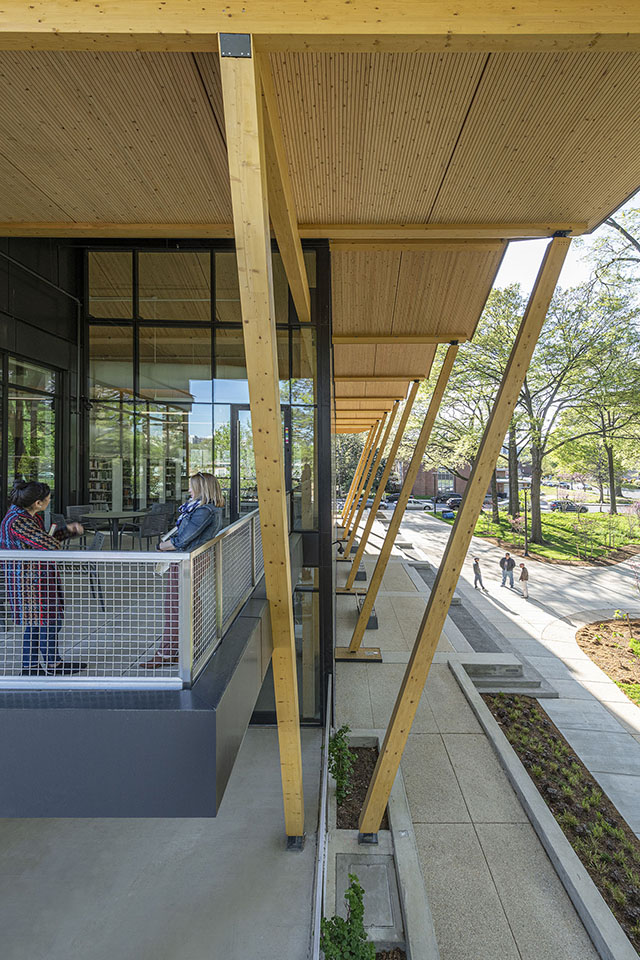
(371, 138)
(460, 138)
(389, 292)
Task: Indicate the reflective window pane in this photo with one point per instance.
(24, 374)
(303, 468)
(175, 363)
(303, 365)
(111, 455)
(31, 436)
(111, 285)
(110, 362)
(222, 453)
(174, 285)
(162, 447)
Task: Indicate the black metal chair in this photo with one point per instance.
(152, 525)
(61, 521)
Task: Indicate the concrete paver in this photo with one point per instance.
(542, 920)
(487, 794)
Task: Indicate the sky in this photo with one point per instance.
(523, 258)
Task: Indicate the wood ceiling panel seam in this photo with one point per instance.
(566, 92)
(94, 89)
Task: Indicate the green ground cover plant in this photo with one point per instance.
(347, 939)
(567, 536)
(605, 844)
(341, 761)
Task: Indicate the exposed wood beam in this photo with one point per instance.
(282, 209)
(341, 234)
(356, 476)
(365, 474)
(365, 378)
(460, 539)
(374, 470)
(246, 153)
(414, 25)
(377, 232)
(348, 399)
(430, 245)
(368, 338)
(406, 413)
(405, 493)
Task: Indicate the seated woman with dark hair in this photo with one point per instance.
(34, 588)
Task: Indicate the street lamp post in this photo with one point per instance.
(526, 525)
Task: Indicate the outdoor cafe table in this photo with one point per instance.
(114, 517)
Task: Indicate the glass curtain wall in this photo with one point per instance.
(168, 387)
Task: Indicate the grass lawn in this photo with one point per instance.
(567, 536)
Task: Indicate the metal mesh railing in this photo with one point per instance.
(85, 616)
(205, 604)
(105, 619)
(237, 573)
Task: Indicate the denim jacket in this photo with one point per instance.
(200, 525)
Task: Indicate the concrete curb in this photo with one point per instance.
(420, 939)
(606, 933)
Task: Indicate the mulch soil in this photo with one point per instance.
(607, 644)
(349, 811)
(396, 954)
(606, 845)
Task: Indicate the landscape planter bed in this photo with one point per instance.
(609, 645)
(607, 847)
(349, 810)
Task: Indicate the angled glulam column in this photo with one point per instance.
(245, 148)
(365, 474)
(346, 513)
(367, 490)
(356, 476)
(281, 203)
(398, 513)
(459, 541)
(406, 413)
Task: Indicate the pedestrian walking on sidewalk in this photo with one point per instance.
(507, 564)
(477, 575)
(524, 580)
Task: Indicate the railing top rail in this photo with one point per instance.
(141, 556)
(232, 528)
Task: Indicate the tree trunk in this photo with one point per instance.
(536, 479)
(514, 500)
(612, 479)
(600, 490)
(494, 497)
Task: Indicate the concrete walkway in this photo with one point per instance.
(599, 721)
(493, 892)
(220, 889)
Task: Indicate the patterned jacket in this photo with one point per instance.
(33, 587)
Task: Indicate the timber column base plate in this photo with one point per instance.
(363, 655)
(296, 843)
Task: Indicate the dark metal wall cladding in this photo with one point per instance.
(134, 754)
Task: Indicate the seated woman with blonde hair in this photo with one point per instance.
(199, 520)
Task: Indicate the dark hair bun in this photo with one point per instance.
(25, 493)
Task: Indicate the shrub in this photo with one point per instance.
(342, 939)
(341, 761)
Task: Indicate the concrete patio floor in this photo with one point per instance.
(493, 892)
(219, 889)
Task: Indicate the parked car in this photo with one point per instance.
(568, 506)
(392, 497)
(454, 502)
(415, 504)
